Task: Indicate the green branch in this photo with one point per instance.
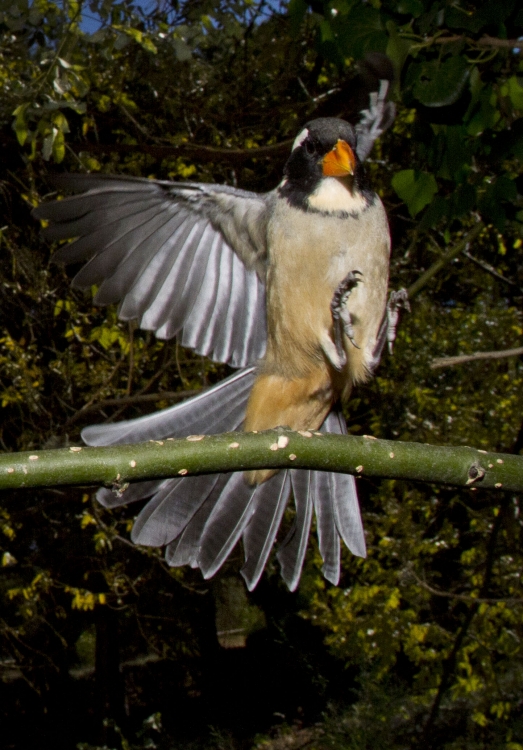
(198, 454)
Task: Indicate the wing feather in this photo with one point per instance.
(182, 258)
(219, 409)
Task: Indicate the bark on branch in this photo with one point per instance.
(114, 466)
(485, 41)
(232, 156)
(462, 358)
(446, 258)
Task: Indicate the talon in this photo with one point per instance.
(387, 332)
(341, 318)
(397, 301)
(348, 328)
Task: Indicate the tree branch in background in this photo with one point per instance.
(233, 156)
(130, 400)
(449, 665)
(486, 41)
(462, 358)
(491, 270)
(409, 573)
(446, 258)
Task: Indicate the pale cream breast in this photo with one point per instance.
(309, 255)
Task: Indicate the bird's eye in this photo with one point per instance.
(310, 148)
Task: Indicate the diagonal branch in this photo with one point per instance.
(445, 259)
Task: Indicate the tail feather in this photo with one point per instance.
(166, 516)
(259, 535)
(344, 496)
(293, 548)
(328, 537)
(347, 512)
(200, 519)
(185, 550)
(131, 494)
(232, 512)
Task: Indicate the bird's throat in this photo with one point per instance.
(334, 195)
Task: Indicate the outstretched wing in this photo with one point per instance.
(183, 259)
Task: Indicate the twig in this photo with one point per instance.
(490, 269)
(204, 154)
(137, 125)
(86, 407)
(462, 358)
(154, 378)
(515, 45)
(138, 399)
(446, 258)
(450, 662)
(461, 597)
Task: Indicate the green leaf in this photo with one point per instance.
(463, 200)
(416, 189)
(297, 10)
(360, 31)
(398, 49)
(326, 33)
(515, 92)
(59, 147)
(183, 51)
(410, 7)
(497, 194)
(47, 148)
(20, 125)
(439, 84)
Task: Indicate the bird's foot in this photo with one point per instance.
(397, 301)
(387, 333)
(341, 317)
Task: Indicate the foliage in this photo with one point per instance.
(421, 642)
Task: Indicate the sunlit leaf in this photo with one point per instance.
(416, 189)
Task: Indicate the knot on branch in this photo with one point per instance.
(475, 473)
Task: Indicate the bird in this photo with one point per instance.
(290, 288)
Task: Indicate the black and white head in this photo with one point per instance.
(323, 172)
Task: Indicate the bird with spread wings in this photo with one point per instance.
(289, 287)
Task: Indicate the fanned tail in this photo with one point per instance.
(200, 519)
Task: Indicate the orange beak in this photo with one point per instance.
(340, 161)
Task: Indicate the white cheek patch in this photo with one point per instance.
(300, 138)
(331, 196)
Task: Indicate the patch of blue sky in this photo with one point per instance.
(92, 22)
